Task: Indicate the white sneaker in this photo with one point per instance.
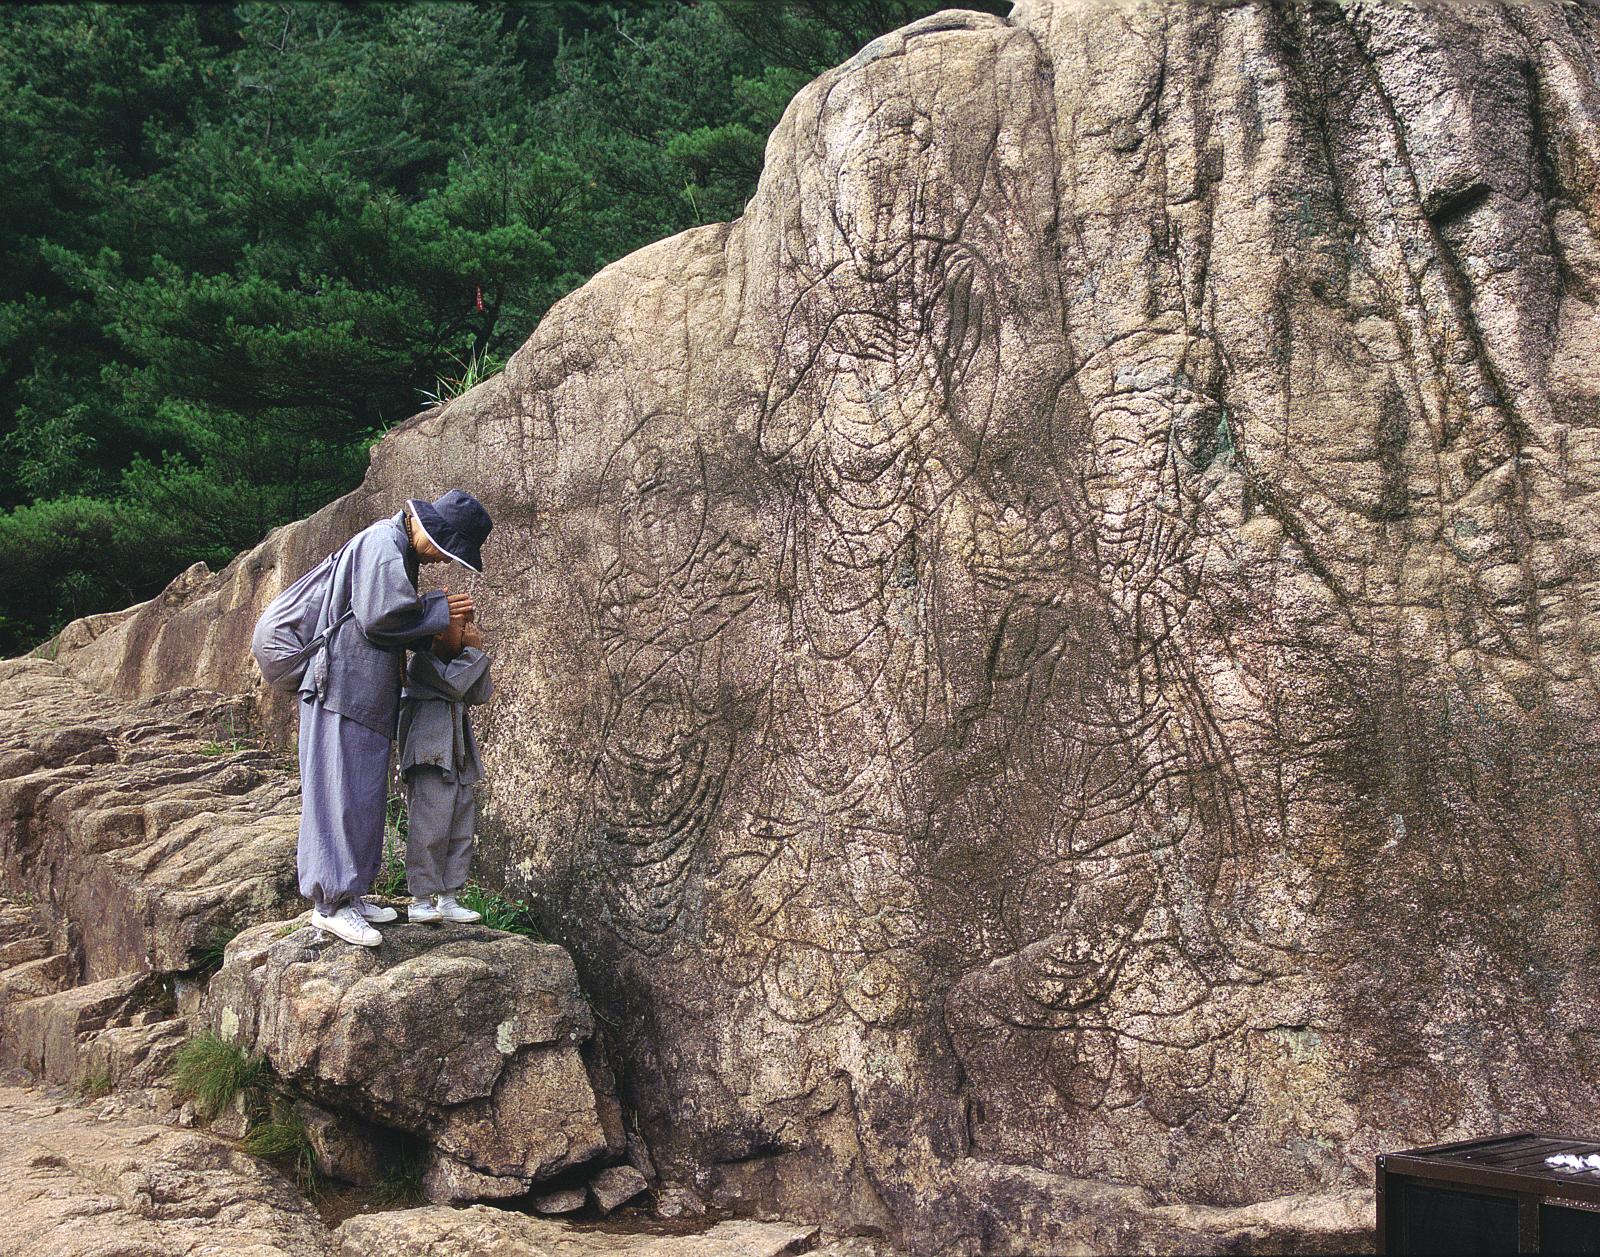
(377, 913)
(450, 910)
(347, 923)
(422, 912)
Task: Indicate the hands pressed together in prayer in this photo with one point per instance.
(463, 630)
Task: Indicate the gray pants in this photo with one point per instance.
(442, 815)
(344, 786)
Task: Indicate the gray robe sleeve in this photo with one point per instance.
(481, 690)
(464, 679)
(387, 609)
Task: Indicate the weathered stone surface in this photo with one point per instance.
(147, 831)
(77, 1185)
(30, 979)
(678, 1202)
(469, 1038)
(131, 1056)
(479, 1231)
(1066, 635)
(46, 1035)
(1064, 1215)
(344, 1147)
(616, 1185)
(448, 1180)
(567, 1200)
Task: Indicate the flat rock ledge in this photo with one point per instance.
(76, 1185)
(84, 1181)
(471, 1039)
(480, 1231)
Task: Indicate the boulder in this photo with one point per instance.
(467, 1037)
(1067, 636)
(678, 1202)
(616, 1186)
(479, 1231)
(77, 1183)
(564, 1200)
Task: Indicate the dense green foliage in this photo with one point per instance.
(238, 242)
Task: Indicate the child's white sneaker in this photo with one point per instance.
(450, 910)
(422, 912)
(377, 913)
(347, 923)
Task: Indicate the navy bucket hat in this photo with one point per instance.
(455, 522)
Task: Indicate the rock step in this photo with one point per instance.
(120, 1028)
(32, 979)
(476, 1041)
(24, 942)
(93, 1180)
(146, 832)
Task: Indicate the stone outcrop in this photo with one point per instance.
(1065, 638)
(469, 1038)
(148, 832)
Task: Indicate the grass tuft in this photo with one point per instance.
(401, 1183)
(211, 952)
(213, 1072)
(284, 1141)
(391, 879)
(502, 913)
(475, 369)
(94, 1085)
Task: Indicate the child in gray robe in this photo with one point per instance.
(440, 765)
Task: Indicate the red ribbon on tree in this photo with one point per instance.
(479, 301)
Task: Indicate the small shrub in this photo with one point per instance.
(213, 1072)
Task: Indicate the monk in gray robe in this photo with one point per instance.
(439, 762)
(351, 693)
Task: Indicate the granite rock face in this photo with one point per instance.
(469, 1038)
(1066, 636)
